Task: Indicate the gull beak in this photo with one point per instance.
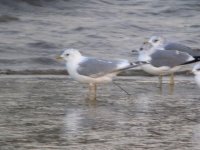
(146, 42)
(134, 50)
(59, 58)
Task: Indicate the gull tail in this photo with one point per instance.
(196, 59)
(196, 49)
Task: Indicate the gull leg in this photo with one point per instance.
(92, 91)
(171, 89)
(171, 79)
(95, 90)
(171, 84)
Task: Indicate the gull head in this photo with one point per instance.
(146, 47)
(156, 41)
(70, 54)
(196, 69)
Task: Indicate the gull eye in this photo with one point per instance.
(198, 69)
(156, 40)
(141, 49)
(66, 54)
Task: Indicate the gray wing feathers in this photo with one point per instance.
(176, 46)
(182, 48)
(168, 58)
(97, 67)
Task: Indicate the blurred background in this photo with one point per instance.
(33, 32)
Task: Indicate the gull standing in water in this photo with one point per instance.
(163, 62)
(196, 71)
(92, 70)
(159, 42)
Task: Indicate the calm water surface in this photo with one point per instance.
(51, 112)
(33, 32)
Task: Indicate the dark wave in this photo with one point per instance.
(33, 72)
(8, 18)
(37, 60)
(18, 2)
(43, 44)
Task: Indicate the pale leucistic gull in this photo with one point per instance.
(92, 70)
(196, 71)
(163, 62)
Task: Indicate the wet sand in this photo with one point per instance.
(51, 112)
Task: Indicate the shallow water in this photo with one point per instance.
(52, 112)
(34, 32)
